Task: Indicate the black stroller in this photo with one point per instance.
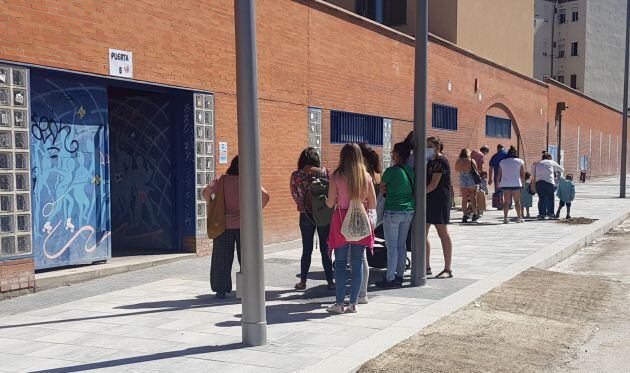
(378, 258)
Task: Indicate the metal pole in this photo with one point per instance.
(624, 110)
(553, 37)
(253, 322)
(559, 136)
(418, 254)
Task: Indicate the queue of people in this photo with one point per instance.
(343, 208)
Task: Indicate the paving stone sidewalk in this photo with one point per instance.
(166, 319)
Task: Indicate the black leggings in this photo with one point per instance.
(308, 228)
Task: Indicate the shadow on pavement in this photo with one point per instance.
(145, 358)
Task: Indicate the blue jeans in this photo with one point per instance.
(396, 227)
(546, 197)
(341, 273)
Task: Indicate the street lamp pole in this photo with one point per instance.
(253, 321)
(418, 254)
(624, 110)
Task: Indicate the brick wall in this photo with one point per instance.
(16, 275)
(309, 54)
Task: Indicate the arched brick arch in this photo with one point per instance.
(519, 139)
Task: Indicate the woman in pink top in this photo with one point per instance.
(223, 246)
(350, 181)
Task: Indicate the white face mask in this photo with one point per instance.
(429, 153)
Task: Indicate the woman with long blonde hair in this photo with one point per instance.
(350, 182)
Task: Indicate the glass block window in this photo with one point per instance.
(15, 196)
(387, 143)
(315, 129)
(204, 149)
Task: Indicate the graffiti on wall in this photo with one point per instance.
(68, 156)
(141, 169)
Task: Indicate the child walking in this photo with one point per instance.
(526, 198)
(566, 194)
(482, 193)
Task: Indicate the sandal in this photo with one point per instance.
(330, 286)
(300, 286)
(429, 271)
(445, 274)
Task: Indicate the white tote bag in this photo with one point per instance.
(356, 225)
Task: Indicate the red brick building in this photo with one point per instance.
(311, 56)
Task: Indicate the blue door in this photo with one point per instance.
(69, 163)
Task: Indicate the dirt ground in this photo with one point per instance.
(572, 318)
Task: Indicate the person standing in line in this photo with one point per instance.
(545, 181)
(511, 178)
(439, 204)
(223, 246)
(349, 182)
(373, 165)
(493, 170)
(566, 194)
(465, 166)
(399, 210)
(479, 156)
(526, 196)
(310, 168)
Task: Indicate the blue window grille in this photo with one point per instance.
(351, 127)
(444, 117)
(498, 127)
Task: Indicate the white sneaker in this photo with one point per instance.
(335, 309)
(353, 308)
(363, 300)
(519, 220)
(506, 221)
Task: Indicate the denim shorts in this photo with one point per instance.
(466, 180)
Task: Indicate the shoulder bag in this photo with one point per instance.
(475, 174)
(215, 220)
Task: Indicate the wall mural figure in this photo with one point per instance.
(71, 222)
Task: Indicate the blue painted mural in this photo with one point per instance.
(69, 162)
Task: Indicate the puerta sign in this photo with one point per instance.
(120, 63)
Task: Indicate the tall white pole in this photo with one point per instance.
(254, 320)
(624, 110)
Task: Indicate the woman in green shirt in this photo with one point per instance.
(399, 208)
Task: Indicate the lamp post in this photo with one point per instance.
(254, 324)
(624, 128)
(418, 254)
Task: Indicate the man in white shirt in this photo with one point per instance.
(545, 179)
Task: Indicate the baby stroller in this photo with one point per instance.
(378, 258)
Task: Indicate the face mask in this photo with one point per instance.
(429, 153)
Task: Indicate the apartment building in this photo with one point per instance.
(582, 46)
(499, 30)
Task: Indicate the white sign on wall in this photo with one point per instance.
(223, 150)
(120, 63)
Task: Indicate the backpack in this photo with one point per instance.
(315, 202)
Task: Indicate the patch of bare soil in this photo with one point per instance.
(577, 221)
(534, 323)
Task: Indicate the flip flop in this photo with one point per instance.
(444, 274)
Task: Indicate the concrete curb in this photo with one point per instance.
(54, 279)
(352, 358)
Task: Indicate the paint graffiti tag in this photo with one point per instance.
(53, 134)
